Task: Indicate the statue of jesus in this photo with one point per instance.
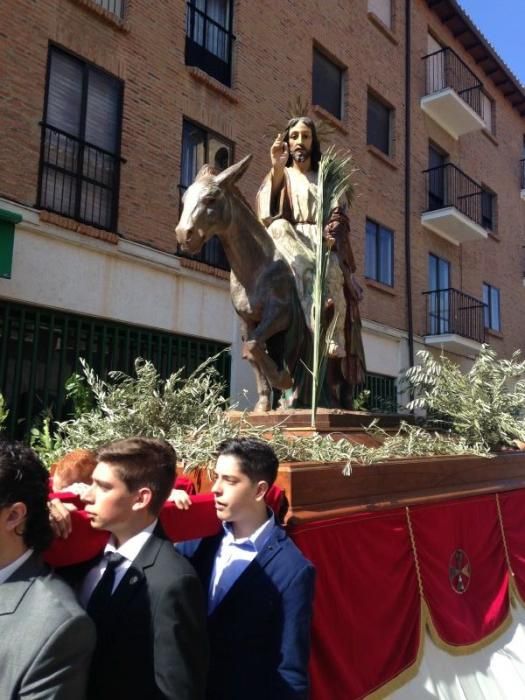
(287, 205)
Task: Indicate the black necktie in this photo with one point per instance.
(101, 597)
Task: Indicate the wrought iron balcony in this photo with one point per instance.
(454, 205)
(453, 95)
(455, 320)
(78, 179)
(209, 44)
(522, 172)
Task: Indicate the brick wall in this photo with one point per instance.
(272, 63)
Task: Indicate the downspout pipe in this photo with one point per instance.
(408, 109)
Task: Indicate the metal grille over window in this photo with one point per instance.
(80, 149)
(40, 350)
(378, 393)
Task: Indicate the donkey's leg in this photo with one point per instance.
(264, 389)
(276, 318)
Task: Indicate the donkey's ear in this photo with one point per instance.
(234, 172)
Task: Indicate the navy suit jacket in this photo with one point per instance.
(260, 632)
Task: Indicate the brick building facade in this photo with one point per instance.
(108, 106)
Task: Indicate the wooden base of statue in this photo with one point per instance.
(317, 491)
(338, 423)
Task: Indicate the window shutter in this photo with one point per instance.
(64, 98)
(102, 111)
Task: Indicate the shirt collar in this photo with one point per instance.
(10, 569)
(132, 547)
(256, 540)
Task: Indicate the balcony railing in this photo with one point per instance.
(209, 44)
(116, 7)
(450, 311)
(78, 179)
(448, 186)
(445, 69)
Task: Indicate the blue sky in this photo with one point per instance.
(503, 24)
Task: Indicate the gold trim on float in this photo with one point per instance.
(426, 623)
(465, 649)
(405, 675)
(460, 649)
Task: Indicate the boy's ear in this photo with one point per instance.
(15, 516)
(143, 498)
(262, 490)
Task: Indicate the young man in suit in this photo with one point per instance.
(46, 639)
(145, 599)
(260, 587)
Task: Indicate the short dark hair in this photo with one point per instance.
(24, 479)
(256, 458)
(315, 156)
(143, 462)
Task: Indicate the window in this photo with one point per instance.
(209, 37)
(200, 146)
(382, 9)
(435, 65)
(114, 6)
(492, 307)
(436, 178)
(80, 157)
(438, 299)
(488, 203)
(487, 112)
(379, 254)
(327, 84)
(378, 124)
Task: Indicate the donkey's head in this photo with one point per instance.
(207, 207)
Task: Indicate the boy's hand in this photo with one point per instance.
(60, 517)
(180, 498)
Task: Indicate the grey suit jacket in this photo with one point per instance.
(46, 639)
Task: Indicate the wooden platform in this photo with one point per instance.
(318, 491)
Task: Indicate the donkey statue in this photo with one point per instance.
(262, 285)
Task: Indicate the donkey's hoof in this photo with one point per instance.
(263, 405)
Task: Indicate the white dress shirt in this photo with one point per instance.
(10, 569)
(233, 558)
(129, 551)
